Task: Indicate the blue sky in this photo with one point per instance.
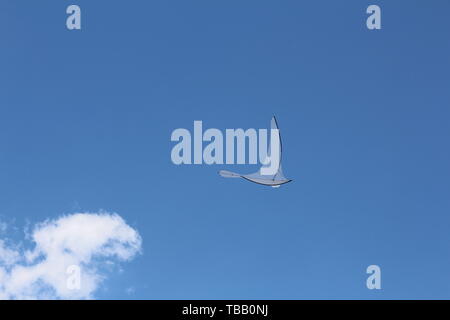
(86, 119)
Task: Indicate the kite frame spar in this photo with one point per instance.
(229, 174)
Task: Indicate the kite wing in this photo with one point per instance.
(229, 174)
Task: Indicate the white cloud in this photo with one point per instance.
(86, 240)
(3, 227)
(8, 256)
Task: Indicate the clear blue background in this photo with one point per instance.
(86, 118)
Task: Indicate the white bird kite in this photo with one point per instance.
(273, 180)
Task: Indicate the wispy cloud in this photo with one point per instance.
(89, 241)
(130, 291)
(3, 227)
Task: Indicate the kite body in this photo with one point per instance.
(274, 180)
